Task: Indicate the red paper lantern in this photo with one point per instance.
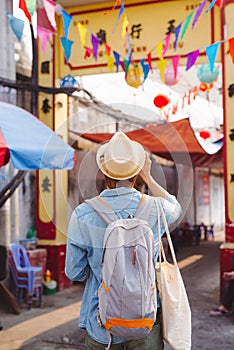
(203, 87)
(205, 134)
(161, 101)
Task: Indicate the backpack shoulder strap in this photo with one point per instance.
(102, 209)
(144, 208)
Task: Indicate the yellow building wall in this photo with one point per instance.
(229, 124)
(153, 18)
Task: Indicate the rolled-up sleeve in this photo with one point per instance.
(76, 266)
(172, 209)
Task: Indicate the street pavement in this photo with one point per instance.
(54, 325)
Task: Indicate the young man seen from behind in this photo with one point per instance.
(120, 160)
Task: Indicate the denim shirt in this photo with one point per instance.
(85, 248)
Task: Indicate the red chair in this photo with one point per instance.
(24, 275)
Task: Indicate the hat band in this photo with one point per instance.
(134, 172)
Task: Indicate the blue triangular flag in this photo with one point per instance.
(145, 68)
(117, 59)
(121, 10)
(67, 45)
(177, 32)
(66, 22)
(211, 52)
(211, 6)
(17, 26)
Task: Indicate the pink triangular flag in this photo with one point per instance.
(46, 14)
(175, 62)
(167, 42)
(44, 35)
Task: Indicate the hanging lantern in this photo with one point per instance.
(203, 87)
(69, 81)
(205, 134)
(205, 75)
(169, 76)
(134, 76)
(161, 101)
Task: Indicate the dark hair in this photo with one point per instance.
(112, 183)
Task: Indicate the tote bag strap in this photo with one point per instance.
(161, 249)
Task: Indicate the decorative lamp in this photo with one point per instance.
(205, 134)
(205, 75)
(134, 76)
(69, 81)
(169, 76)
(161, 101)
(203, 87)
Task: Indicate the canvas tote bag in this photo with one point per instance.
(176, 313)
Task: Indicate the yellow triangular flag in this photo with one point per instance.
(110, 63)
(161, 66)
(124, 25)
(160, 50)
(83, 31)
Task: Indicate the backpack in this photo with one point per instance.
(127, 294)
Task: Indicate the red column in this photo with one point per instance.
(227, 248)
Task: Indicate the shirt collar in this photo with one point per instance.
(120, 191)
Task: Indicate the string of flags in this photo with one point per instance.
(46, 27)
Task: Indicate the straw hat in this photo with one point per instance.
(120, 158)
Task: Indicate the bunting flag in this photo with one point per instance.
(108, 49)
(129, 57)
(149, 60)
(211, 52)
(117, 60)
(83, 32)
(167, 42)
(67, 46)
(110, 63)
(159, 48)
(129, 47)
(161, 66)
(121, 11)
(191, 60)
(198, 12)
(145, 68)
(211, 6)
(117, 2)
(124, 26)
(23, 6)
(219, 3)
(177, 32)
(126, 65)
(231, 48)
(175, 63)
(46, 15)
(95, 44)
(17, 26)
(123, 66)
(88, 52)
(44, 36)
(31, 6)
(186, 25)
(66, 22)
